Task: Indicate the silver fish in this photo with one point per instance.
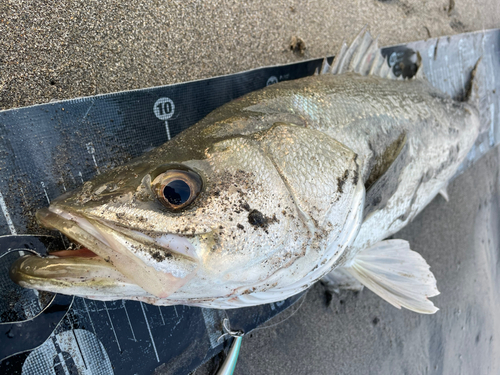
(268, 194)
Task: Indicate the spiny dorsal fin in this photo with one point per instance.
(362, 57)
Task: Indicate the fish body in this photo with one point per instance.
(268, 194)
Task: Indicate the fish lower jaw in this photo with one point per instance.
(112, 260)
(86, 277)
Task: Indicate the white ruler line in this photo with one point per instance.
(177, 315)
(163, 320)
(88, 313)
(149, 330)
(112, 327)
(45, 191)
(128, 318)
(168, 130)
(7, 216)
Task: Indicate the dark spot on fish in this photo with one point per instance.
(355, 178)
(221, 227)
(245, 206)
(159, 256)
(375, 321)
(478, 337)
(120, 215)
(240, 226)
(258, 220)
(341, 181)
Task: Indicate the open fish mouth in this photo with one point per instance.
(114, 262)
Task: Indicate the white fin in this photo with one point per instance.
(397, 274)
(444, 193)
(362, 57)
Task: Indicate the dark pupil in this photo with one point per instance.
(177, 192)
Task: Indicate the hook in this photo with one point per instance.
(229, 364)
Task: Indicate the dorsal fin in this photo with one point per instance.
(363, 56)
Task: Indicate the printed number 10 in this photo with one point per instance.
(164, 108)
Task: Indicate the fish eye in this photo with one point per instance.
(177, 188)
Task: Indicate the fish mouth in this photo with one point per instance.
(114, 263)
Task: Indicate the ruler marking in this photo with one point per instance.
(10, 224)
(88, 313)
(168, 130)
(163, 320)
(149, 330)
(112, 326)
(79, 348)
(129, 322)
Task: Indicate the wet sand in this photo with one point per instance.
(67, 49)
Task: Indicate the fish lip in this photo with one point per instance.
(48, 217)
(51, 220)
(158, 273)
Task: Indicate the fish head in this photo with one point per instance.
(202, 218)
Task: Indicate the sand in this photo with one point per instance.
(66, 49)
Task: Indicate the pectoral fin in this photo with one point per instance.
(383, 180)
(397, 274)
